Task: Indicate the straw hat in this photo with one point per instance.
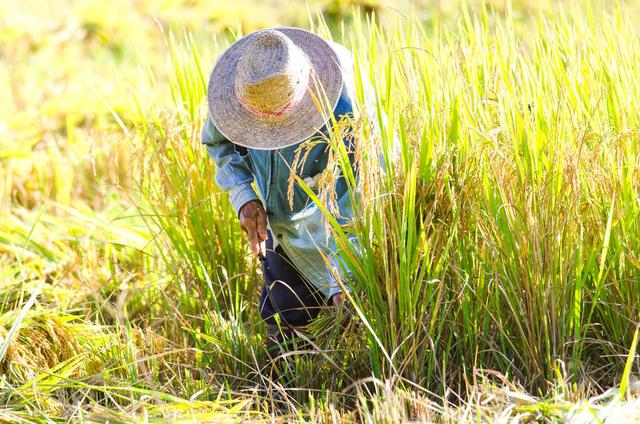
(273, 88)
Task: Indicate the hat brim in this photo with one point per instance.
(306, 118)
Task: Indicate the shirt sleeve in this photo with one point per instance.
(232, 173)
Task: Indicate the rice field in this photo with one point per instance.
(498, 273)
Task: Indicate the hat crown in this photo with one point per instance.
(272, 74)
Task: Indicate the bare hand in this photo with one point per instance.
(253, 220)
(337, 300)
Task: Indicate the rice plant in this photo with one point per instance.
(497, 211)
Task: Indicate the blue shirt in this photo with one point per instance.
(299, 228)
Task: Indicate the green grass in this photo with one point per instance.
(497, 272)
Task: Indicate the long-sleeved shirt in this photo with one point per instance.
(298, 227)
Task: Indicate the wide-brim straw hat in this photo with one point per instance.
(274, 88)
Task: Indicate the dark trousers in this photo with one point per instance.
(286, 291)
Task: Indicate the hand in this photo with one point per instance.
(253, 220)
(337, 300)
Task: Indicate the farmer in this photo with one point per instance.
(265, 106)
